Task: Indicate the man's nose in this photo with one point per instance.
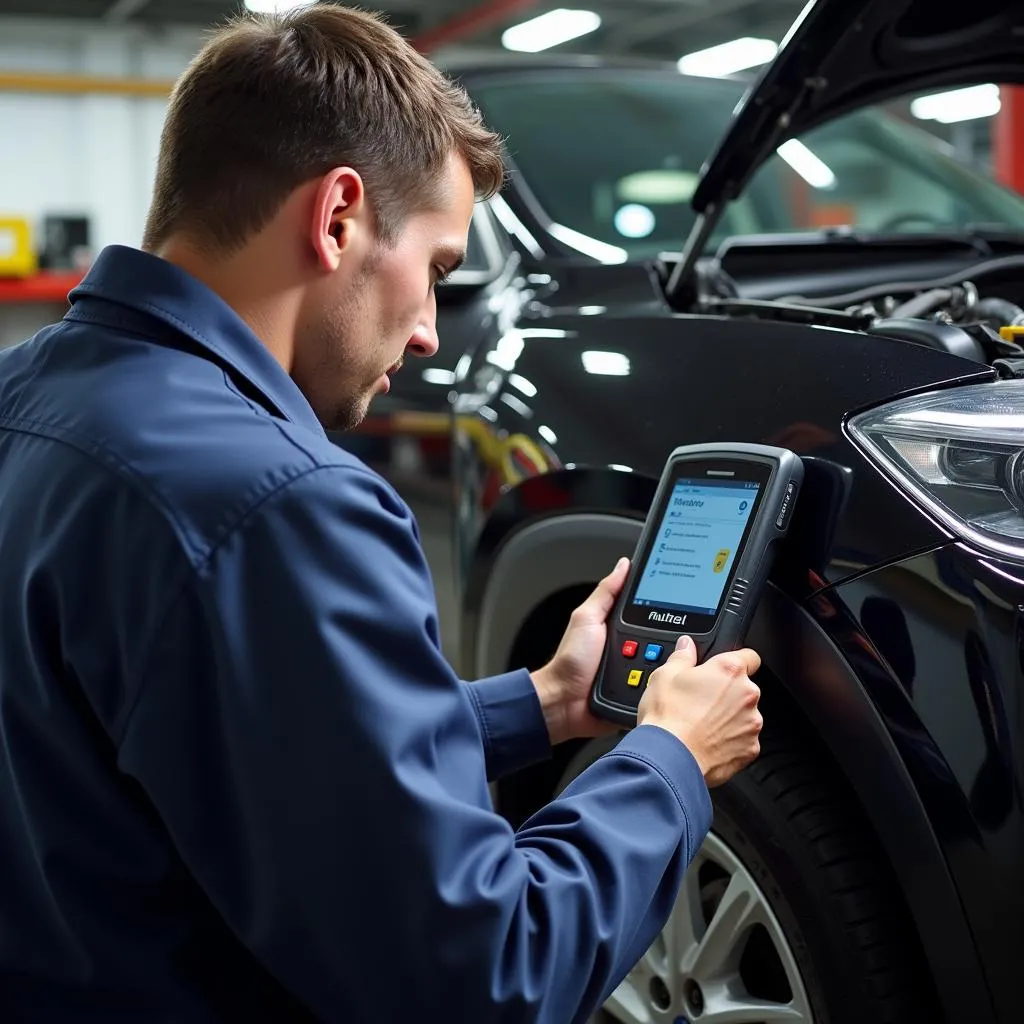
(424, 339)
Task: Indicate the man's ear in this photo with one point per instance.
(337, 204)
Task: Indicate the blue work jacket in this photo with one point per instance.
(238, 779)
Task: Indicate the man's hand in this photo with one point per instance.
(564, 683)
(711, 707)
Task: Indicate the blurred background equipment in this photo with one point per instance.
(84, 86)
(17, 250)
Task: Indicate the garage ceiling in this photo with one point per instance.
(655, 28)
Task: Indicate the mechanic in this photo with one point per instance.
(239, 781)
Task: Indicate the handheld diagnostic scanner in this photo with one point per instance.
(700, 565)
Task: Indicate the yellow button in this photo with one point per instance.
(634, 677)
(720, 559)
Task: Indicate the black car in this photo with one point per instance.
(605, 158)
(868, 866)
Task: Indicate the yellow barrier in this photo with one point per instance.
(16, 81)
(17, 259)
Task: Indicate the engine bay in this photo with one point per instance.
(975, 312)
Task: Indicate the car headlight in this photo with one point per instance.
(961, 454)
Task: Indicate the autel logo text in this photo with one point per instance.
(675, 620)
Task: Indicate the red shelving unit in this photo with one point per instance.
(46, 286)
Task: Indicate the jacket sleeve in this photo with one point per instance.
(321, 770)
(511, 722)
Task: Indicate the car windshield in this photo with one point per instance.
(614, 157)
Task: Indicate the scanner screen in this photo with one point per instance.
(696, 544)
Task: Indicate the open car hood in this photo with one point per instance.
(844, 54)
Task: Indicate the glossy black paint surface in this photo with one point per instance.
(937, 642)
(690, 379)
(538, 435)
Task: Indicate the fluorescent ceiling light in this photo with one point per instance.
(588, 246)
(514, 226)
(276, 6)
(663, 186)
(634, 220)
(435, 375)
(518, 404)
(608, 364)
(527, 387)
(958, 105)
(507, 351)
(728, 58)
(812, 169)
(551, 29)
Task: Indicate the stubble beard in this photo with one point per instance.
(347, 412)
(350, 416)
(342, 360)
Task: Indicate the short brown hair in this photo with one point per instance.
(271, 102)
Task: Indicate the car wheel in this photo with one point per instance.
(787, 913)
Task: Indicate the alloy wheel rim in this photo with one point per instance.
(722, 957)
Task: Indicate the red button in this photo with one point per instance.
(629, 648)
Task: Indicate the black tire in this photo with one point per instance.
(791, 821)
(521, 794)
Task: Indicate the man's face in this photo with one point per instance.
(359, 323)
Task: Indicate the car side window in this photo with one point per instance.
(870, 171)
(616, 157)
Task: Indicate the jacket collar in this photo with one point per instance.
(124, 278)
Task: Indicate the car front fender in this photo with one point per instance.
(546, 556)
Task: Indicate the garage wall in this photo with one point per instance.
(92, 155)
(86, 154)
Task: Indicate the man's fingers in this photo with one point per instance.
(744, 660)
(614, 580)
(685, 653)
(598, 606)
(751, 658)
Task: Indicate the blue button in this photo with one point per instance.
(652, 652)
